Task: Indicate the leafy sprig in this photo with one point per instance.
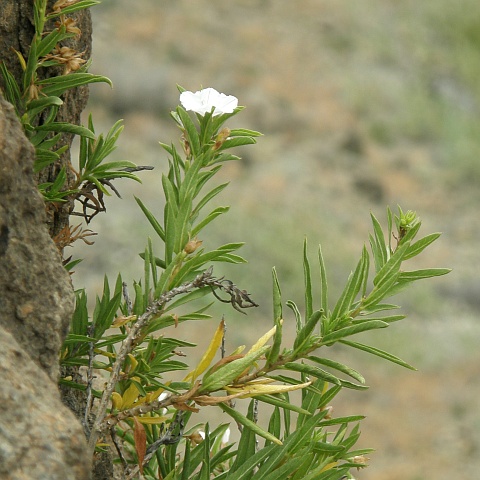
(37, 100)
(300, 440)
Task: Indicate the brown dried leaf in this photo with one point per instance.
(140, 438)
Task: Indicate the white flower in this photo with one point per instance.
(226, 436)
(204, 100)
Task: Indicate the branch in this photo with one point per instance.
(238, 299)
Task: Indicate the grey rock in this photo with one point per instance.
(39, 437)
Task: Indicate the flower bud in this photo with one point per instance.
(192, 245)
(221, 137)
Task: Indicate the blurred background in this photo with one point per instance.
(363, 104)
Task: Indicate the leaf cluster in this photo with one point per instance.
(37, 97)
(147, 407)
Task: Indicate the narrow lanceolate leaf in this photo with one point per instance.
(278, 402)
(392, 266)
(303, 335)
(379, 247)
(228, 372)
(238, 417)
(58, 85)
(263, 340)
(82, 4)
(140, 438)
(424, 273)
(386, 278)
(255, 389)
(296, 312)
(190, 130)
(241, 132)
(314, 371)
(323, 282)
(355, 281)
(208, 197)
(208, 219)
(277, 318)
(420, 245)
(353, 330)
(277, 296)
(244, 472)
(341, 420)
(236, 142)
(378, 353)
(36, 106)
(308, 282)
(209, 354)
(67, 128)
(338, 366)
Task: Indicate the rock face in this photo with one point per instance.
(39, 437)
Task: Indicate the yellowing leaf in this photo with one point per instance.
(133, 363)
(117, 401)
(120, 321)
(154, 395)
(238, 350)
(21, 59)
(329, 466)
(263, 340)
(129, 396)
(254, 389)
(209, 354)
(152, 420)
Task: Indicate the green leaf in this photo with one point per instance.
(208, 219)
(49, 41)
(423, 273)
(378, 353)
(354, 283)
(338, 366)
(247, 443)
(236, 142)
(387, 318)
(341, 420)
(189, 297)
(190, 130)
(278, 402)
(379, 307)
(311, 370)
(386, 277)
(238, 417)
(81, 5)
(243, 132)
(272, 355)
(323, 282)
(308, 282)
(379, 248)
(36, 106)
(66, 128)
(56, 86)
(353, 330)
(303, 336)
(420, 245)
(296, 312)
(283, 471)
(209, 196)
(12, 90)
(244, 472)
(151, 218)
(74, 339)
(43, 158)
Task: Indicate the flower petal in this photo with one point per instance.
(208, 99)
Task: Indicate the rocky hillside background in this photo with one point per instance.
(363, 104)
